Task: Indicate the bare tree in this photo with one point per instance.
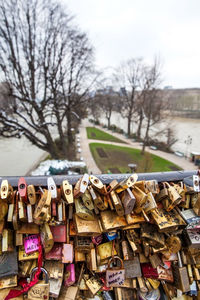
(128, 76)
(107, 101)
(47, 62)
(153, 105)
(94, 108)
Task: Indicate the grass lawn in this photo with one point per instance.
(97, 134)
(116, 159)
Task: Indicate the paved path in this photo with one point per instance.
(87, 156)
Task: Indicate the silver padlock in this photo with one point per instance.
(40, 290)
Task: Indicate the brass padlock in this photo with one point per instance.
(82, 211)
(31, 194)
(87, 200)
(81, 186)
(117, 203)
(67, 192)
(93, 284)
(173, 194)
(127, 183)
(39, 290)
(163, 194)
(115, 276)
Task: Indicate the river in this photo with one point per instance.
(18, 156)
(184, 129)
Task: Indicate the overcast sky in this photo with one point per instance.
(123, 29)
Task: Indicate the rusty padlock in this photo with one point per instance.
(115, 276)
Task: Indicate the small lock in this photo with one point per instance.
(115, 276)
(40, 290)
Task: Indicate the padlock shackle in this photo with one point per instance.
(43, 270)
(113, 258)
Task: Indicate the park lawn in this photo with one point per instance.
(97, 134)
(116, 159)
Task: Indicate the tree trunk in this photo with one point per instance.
(108, 118)
(129, 126)
(70, 143)
(146, 139)
(62, 138)
(53, 151)
(140, 125)
(69, 132)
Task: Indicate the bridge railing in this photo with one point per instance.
(105, 178)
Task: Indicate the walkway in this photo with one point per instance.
(87, 156)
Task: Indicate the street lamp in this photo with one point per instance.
(188, 142)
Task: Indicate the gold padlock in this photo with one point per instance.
(39, 290)
(173, 194)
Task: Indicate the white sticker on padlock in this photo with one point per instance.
(196, 183)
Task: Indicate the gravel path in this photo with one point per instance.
(92, 167)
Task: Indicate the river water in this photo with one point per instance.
(186, 131)
(18, 156)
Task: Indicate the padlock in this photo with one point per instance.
(106, 250)
(55, 253)
(155, 260)
(22, 211)
(67, 253)
(3, 209)
(82, 211)
(127, 183)
(41, 213)
(87, 200)
(92, 260)
(115, 276)
(29, 213)
(181, 278)
(39, 290)
(31, 244)
(23, 256)
(22, 189)
(4, 190)
(173, 194)
(11, 211)
(79, 256)
(128, 200)
(81, 186)
(140, 197)
(98, 201)
(150, 203)
(132, 268)
(31, 194)
(93, 284)
(46, 238)
(163, 194)
(8, 282)
(67, 192)
(83, 243)
(55, 271)
(97, 184)
(152, 186)
(19, 241)
(52, 187)
(15, 219)
(87, 228)
(7, 240)
(69, 276)
(196, 205)
(117, 203)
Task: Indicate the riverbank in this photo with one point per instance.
(180, 161)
